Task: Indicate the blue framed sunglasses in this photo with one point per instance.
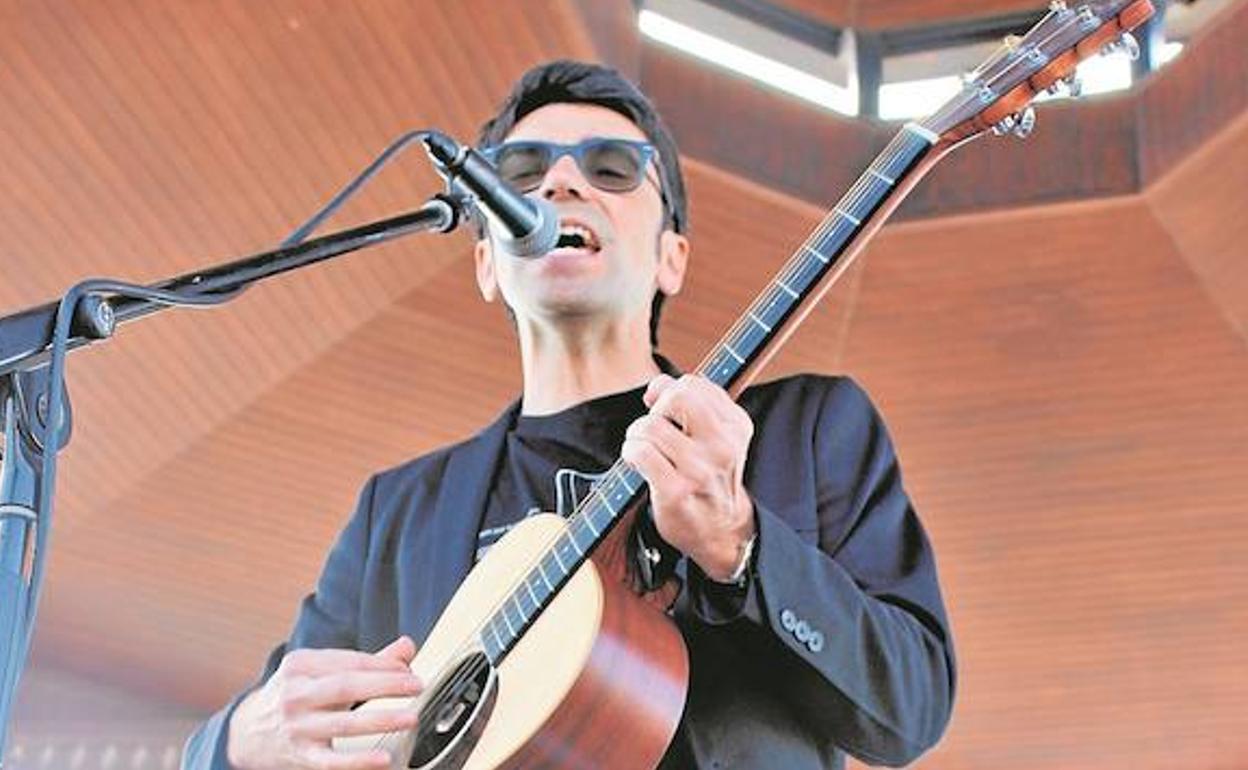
(613, 165)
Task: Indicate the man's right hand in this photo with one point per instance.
(291, 721)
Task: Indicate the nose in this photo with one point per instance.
(563, 180)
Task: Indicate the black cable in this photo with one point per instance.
(185, 298)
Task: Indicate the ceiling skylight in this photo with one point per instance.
(739, 59)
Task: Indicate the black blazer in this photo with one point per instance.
(838, 644)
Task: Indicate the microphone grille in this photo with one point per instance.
(543, 238)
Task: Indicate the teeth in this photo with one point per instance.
(578, 231)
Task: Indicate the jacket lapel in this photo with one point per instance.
(457, 516)
(447, 553)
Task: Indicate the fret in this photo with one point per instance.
(848, 216)
(541, 568)
(507, 620)
(513, 602)
(734, 354)
(489, 633)
(819, 255)
(804, 274)
(532, 596)
(774, 307)
(762, 324)
(588, 514)
(787, 289)
(555, 552)
(747, 338)
(837, 232)
(888, 180)
(624, 481)
(589, 519)
(538, 592)
(575, 545)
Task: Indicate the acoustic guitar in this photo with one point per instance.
(547, 656)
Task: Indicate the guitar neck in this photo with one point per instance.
(731, 364)
(821, 258)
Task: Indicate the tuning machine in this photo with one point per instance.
(1070, 86)
(1020, 124)
(1124, 44)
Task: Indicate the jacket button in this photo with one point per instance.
(788, 620)
(803, 631)
(815, 642)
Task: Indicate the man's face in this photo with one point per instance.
(628, 255)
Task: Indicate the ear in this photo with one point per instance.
(673, 261)
(487, 279)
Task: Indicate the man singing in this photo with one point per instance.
(809, 600)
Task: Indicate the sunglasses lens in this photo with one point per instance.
(613, 166)
(523, 165)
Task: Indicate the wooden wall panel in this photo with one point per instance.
(1064, 382)
(1188, 103)
(1078, 150)
(886, 14)
(891, 14)
(149, 139)
(1070, 414)
(1201, 206)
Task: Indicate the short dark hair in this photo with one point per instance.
(566, 81)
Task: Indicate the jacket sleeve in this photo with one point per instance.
(328, 618)
(862, 646)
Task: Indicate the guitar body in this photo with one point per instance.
(598, 681)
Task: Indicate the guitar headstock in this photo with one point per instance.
(998, 94)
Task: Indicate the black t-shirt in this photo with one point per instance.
(549, 464)
(550, 461)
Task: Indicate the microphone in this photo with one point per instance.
(529, 227)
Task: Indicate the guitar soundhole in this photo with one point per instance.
(454, 707)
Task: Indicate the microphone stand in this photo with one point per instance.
(34, 404)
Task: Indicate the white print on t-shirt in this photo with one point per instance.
(571, 487)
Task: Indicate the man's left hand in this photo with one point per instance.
(691, 448)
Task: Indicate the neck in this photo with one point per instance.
(577, 362)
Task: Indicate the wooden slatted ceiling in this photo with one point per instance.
(891, 14)
(1212, 243)
(1064, 383)
(149, 160)
(1073, 424)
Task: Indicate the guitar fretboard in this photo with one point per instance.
(611, 496)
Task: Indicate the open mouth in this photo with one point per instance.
(574, 235)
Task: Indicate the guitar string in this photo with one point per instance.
(821, 231)
(469, 644)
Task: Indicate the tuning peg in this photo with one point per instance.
(1069, 86)
(1073, 85)
(1125, 44)
(1130, 45)
(1057, 6)
(1020, 124)
(1025, 122)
